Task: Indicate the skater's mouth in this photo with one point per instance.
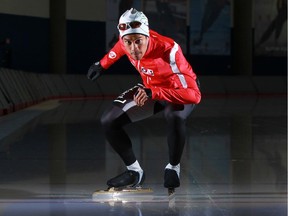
(136, 55)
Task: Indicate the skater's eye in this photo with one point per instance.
(138, 41)
(127, 42)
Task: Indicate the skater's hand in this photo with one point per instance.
(95, 71)
(141, 96)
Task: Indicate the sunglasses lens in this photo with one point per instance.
(135, 24)
(123, 26)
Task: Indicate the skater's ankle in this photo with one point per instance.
(174, 167)
(137, 168)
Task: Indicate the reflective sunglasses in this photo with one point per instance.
(125, 26)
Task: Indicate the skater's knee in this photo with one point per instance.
(173, 117)
(114, 118)
(108, 119)
(105, 120)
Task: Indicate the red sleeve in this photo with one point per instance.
(112, 56)
(184, 89)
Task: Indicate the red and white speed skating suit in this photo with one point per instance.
(163, 69)
(172, 81)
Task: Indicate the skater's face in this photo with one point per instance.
(136, 45)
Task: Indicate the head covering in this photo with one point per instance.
(133, 15)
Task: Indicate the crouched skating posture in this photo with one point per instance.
(169, 85)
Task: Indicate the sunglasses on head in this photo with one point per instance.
(125, 26)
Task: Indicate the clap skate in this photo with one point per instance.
(125, 187)
(171, 181)
(129, 178)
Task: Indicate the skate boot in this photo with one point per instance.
(129, 178)
(171, 178)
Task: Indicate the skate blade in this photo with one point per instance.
(171, 191)
(123, 195)
(171, 197)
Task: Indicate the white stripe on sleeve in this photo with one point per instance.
(174, 66)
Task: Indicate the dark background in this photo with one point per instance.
(85, 44)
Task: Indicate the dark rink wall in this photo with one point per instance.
(30, 29)
(85, 35)
(22, 89)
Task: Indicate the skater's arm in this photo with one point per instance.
(184, 87)
(97, 68)
(113, 55)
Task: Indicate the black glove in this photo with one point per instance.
(148, 92)
(95, 71)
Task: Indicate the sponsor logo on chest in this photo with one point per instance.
(147, 71)
(142, 69)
